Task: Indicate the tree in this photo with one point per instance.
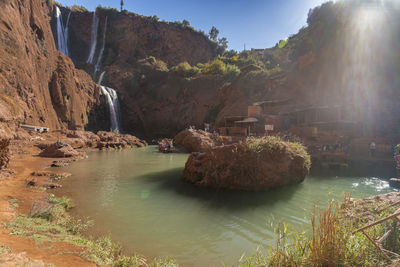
(223, 42)
(213, 34)
(122, 5)
(185, 23)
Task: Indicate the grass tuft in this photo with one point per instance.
(331, 243)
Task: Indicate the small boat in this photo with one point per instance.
(166, 146)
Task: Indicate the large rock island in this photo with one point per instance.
(254, 164)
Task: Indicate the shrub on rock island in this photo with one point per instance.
(254, 164)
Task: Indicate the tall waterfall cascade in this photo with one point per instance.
(113, 103)
(62, 32)
(93, 42)
(101, 78)
(100, 56)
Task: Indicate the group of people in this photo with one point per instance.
(337, 147)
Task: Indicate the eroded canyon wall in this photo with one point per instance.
(40, 85)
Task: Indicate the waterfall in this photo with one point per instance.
(98, 62)
(66, 31)
(93, 43)
(62, 32)
(112, 101)
(101, 77)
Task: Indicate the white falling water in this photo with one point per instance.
(101, 77)
(62, 32)
(98, 62)
(66, 31)
(112, 101)
(93, 43)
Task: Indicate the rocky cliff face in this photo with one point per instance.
(39, 85)
(153, 101)
(130, 37)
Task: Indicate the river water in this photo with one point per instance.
(136, 196)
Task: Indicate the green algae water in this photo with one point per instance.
(138, 198)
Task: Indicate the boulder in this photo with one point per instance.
(254, 164)
(60, 150)
(394, 182)
(4, 149)
(195, 140)
(118, 141)
(90, 139)
(41, 209)
(75, 143)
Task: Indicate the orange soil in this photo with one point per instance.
(24, 161)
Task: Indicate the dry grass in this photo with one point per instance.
(274, 144)
(332, 243)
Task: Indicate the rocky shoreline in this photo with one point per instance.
(25, 181)
(28, 182)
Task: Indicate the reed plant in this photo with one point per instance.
(332, 242)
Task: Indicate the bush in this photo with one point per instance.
(216, 67)
(274, 144)
(282, 43)
(64, 202)
(263, 73)
(333, 241)
(232, 71)
(77, 8)
(157, 63)
(185, 70)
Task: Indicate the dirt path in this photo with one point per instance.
(24, 250)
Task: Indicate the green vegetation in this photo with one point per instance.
(215, 67)
(157, 63)
(185, 23)
(64, 202)
(213, 34)
(263, 73)
(282, 43)
(13, 203)
(274, 144)
(332, 242)
(218, 67)
(185, 70)
(56, 225)
(77, 8)
(107, 8)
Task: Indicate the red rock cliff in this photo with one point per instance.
(38, 84)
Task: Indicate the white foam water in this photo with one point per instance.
(113, 103)
(99, 58)
(93, 43)
(62, 32)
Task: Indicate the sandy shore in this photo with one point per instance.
(24, 250)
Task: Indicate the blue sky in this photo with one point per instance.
(256, 23)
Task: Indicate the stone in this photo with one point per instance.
(118, 141)
(4, 150)
(394, 182)
(41, 209)
(248, 166)
(60, 150)
(195, 140)
(90, 139)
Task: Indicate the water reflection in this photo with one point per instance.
(138, 196)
